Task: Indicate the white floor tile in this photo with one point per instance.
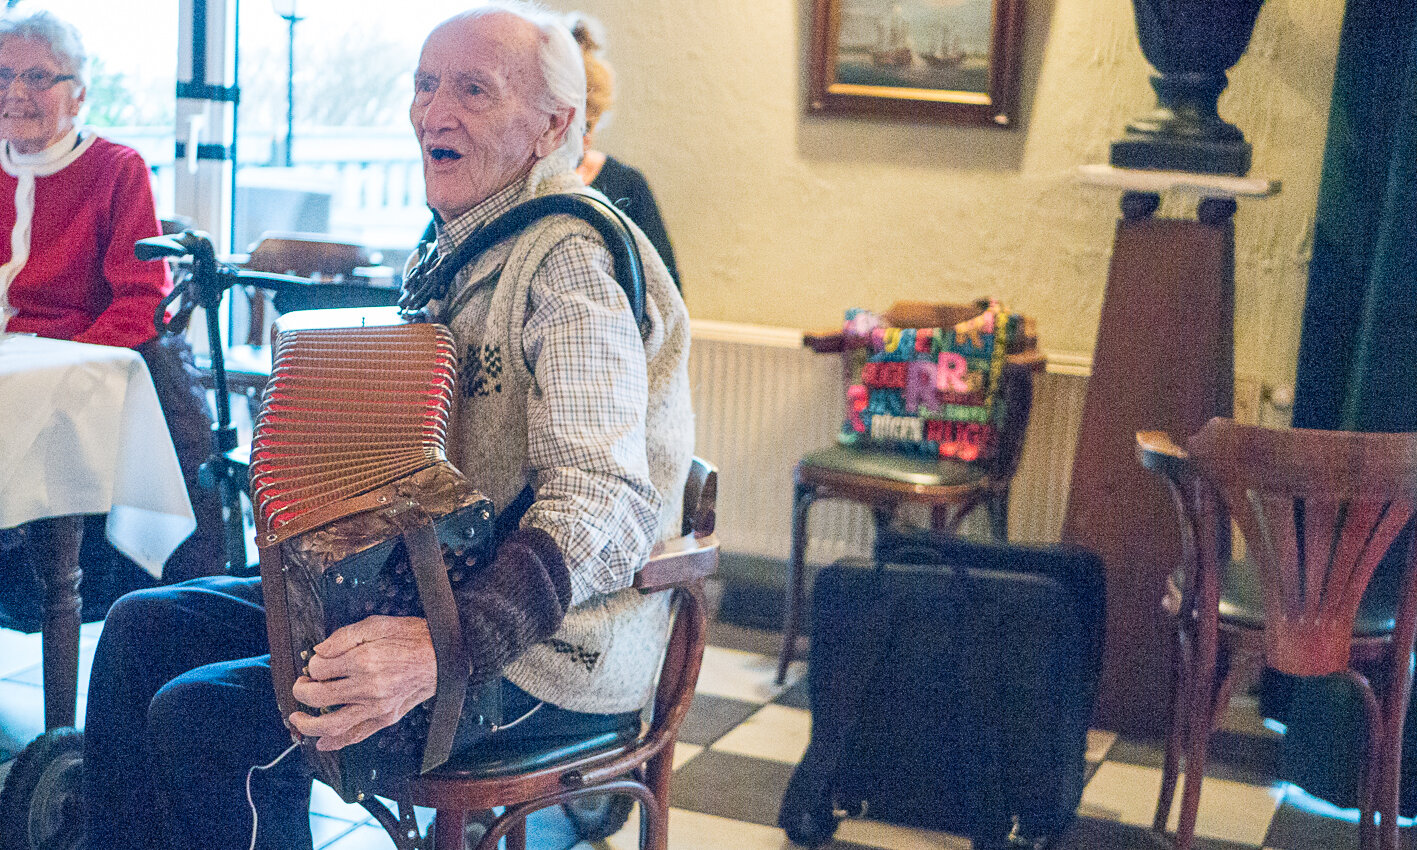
(684, 752)
(893, 837)
(1099, 741)
(1229, 811)
(324, 830)
(696, 831)
(17, 651)
(364, 837)
(745, 676)
(324, 801)
(774, 732)
(21, 715)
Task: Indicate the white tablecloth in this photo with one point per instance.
(81, 432)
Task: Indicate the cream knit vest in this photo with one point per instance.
(604, 656)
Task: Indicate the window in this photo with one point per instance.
(132, 51)
(352, 167)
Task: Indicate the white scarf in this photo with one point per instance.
(26, 167)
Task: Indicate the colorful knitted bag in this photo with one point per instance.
(928, 391)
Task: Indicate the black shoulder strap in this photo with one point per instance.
(433, 275)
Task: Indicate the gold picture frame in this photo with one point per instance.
(946, 60)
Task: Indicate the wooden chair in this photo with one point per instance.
(561, 772)
(1319, 510)
(340, 275)
(884, 480)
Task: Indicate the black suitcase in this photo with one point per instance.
(951, 689)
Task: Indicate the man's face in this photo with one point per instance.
(474, 110)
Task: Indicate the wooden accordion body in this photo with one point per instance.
(356, 508)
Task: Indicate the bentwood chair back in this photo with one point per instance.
(1318, 510)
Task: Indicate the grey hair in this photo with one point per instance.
(562, 72)
(61, 37)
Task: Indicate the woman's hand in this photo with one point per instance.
(374, 670)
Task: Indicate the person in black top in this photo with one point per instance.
(624, 185)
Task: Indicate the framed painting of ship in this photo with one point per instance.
(950, 60)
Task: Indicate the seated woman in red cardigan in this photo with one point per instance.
(71, 206)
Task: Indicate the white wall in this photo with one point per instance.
(781, 218)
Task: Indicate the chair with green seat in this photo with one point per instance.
(591, 778)
(883, 479)
(1319, 511)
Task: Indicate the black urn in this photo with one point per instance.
(1192, 43)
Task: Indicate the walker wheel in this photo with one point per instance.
(40, 806)
(599, 816)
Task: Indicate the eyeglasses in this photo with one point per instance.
(35, 79)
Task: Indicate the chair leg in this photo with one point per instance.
(516, 836)
(1175, 725)
(1389, 758)
(998, 507)
(448, 828)
(1372, 776)
(1199, 723)
(1201, 711)
(654, 824)
(795, 593)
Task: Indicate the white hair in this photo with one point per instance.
(562, 75)
(61, 37)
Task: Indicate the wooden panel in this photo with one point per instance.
(1164, 361)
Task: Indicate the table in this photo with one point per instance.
(83, 433)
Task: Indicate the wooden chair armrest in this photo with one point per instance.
(677, 562)
(824, 341)
(1031, 360)
(1159, 453)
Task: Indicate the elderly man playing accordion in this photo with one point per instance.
(567, 407)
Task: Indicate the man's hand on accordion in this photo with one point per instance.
(368, 675)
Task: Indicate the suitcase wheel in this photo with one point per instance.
(809, 827)
(807, 815)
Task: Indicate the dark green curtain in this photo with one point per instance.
(1357, 366)
(1358, 351)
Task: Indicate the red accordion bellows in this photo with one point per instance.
(347, 410)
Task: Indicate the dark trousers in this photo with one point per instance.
(180, 706)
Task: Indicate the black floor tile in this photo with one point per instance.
(1242, 758)
(795, 696)
(731, 786)
(1294, 828)
(744, 638)
(1093, 834)
(711, 717)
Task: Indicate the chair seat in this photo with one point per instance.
(527, 755)
(1242, 601)
(248, 368)
(898, 467)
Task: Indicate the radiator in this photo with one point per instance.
(761, 401)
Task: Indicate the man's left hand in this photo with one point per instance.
(374, 670)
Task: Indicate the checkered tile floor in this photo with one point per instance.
(744, 735)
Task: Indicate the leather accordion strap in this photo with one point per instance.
(278, 630)
(430, 573)
(433, 276)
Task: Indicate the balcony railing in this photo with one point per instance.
(369, 180)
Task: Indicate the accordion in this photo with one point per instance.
(358, 512)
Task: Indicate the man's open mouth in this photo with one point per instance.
(443, 154)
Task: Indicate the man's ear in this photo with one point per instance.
(558, 124)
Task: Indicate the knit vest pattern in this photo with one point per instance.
(604, 657)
